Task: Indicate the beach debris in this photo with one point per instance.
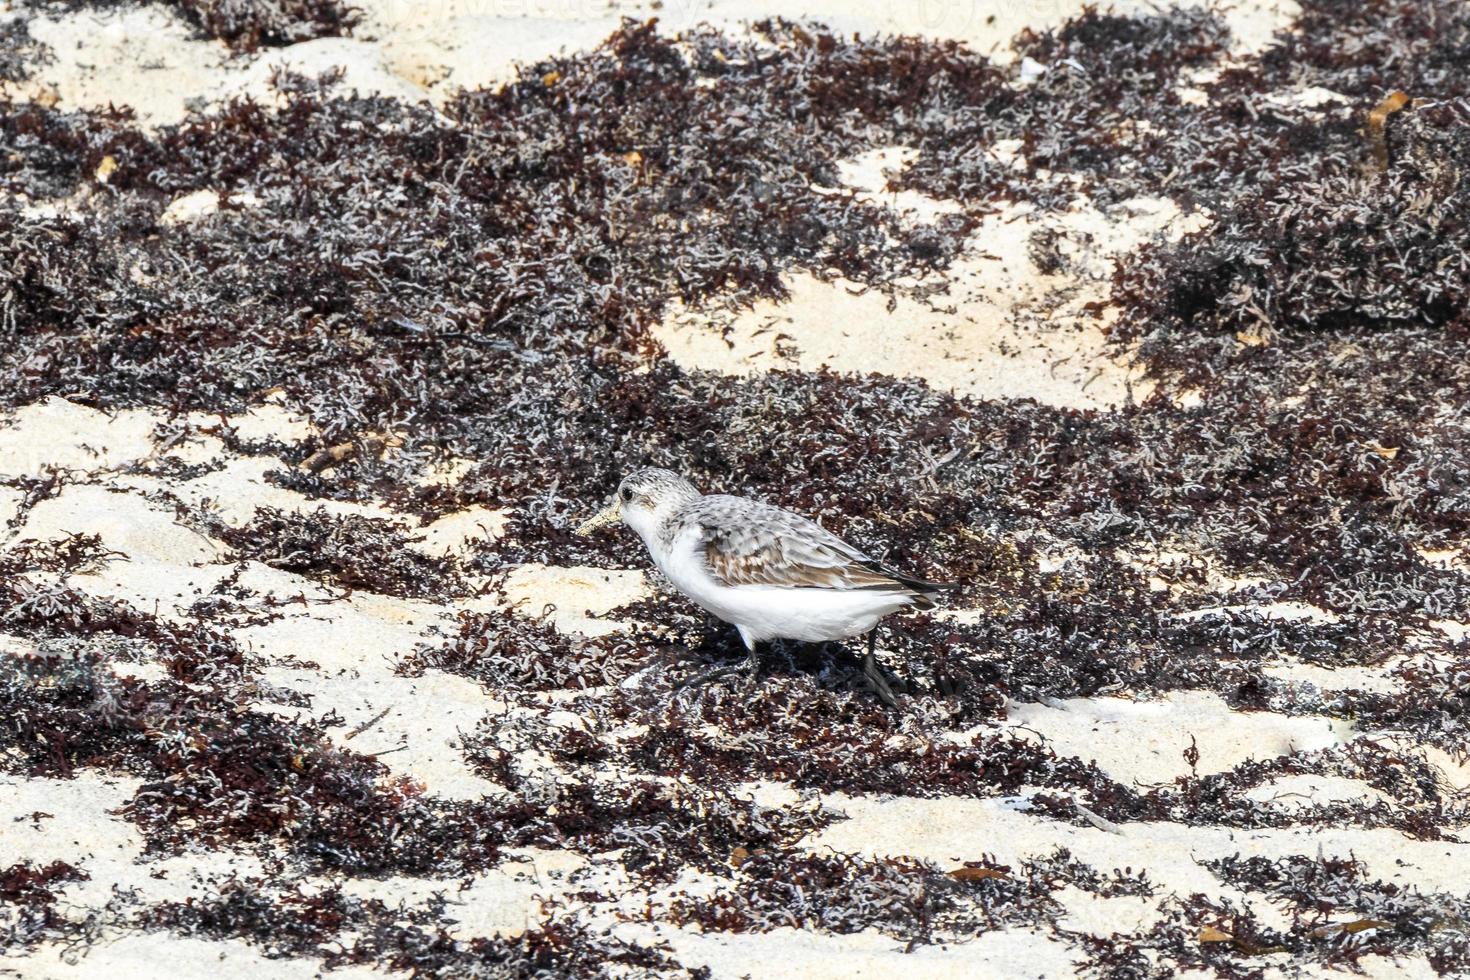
(969, 873)
(349, 736)
(1378, 127)
(1212, 934)
(1350, 928)
(325, 459)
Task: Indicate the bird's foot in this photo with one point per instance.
(947, 687)
(877, 682)
(699, 680)
(750, 666)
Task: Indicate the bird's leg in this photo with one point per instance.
(752, 665)
(875, 677)
(946, 686)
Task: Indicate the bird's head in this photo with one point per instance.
(642, 500)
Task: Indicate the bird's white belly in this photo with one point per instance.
(768, 612)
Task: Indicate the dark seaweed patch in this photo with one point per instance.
(63, 556)
(1340, 913)
(342, 930)
(349, 551)
(26, 884)
(659, 827)
(1414, 803)
(1105, 114)
(60, 616)
(29, 915)
(1345, 249)
(907, 899)
(247, 25)
(19, 52)
(217, 771)
(840, 741)
(509, 653)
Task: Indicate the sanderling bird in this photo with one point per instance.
(769, 572)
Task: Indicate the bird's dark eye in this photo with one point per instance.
(627, 495)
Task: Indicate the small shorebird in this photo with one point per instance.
(771, 573)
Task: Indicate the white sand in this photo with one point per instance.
(572, 597)
(1106, 916)
(187, 957)
(1002, 330)
(60, 435)
(1144, 741)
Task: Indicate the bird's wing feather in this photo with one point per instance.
(750, 543)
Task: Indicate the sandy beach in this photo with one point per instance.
(302, 673)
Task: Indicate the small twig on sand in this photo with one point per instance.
(367, 724)
(1097, 821)
(396, 748)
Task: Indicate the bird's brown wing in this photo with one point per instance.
(749, 543)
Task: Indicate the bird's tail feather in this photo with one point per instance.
(926, 592)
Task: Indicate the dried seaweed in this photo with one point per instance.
(343, 930)
(1374, 250)
(25, 884)
(20, 53)
(217, 771)
(29, 900)
(482, 284)
(1340, 913)
(907, 899)
(510, 653)
(247, 25)
(349, 551)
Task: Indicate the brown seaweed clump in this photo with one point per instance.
(247, 25)
(20, 53)
(290, 922)
(348, 551)
(1379, 249)
(26, 884)
(507, 652)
